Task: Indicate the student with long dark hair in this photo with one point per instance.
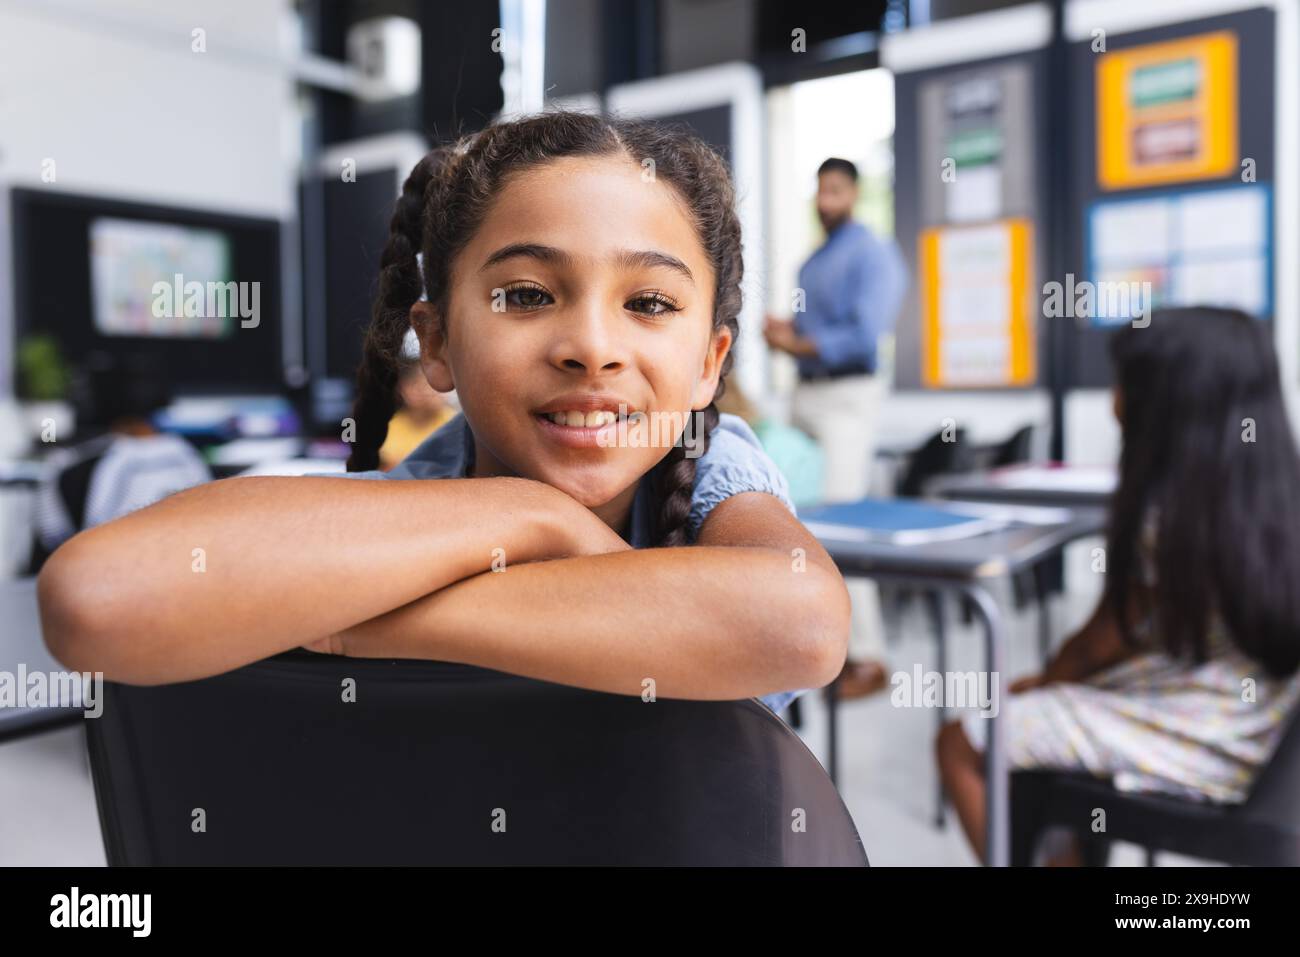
(1186, 675)
(574, 279)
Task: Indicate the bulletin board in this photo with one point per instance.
(1208, 245)
(1172, 181)
(977, 304)
(1169, 111)
(969, 187)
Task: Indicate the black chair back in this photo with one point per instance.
(435, 763)
(934, 458)
(1263, 831)
(1015, 450)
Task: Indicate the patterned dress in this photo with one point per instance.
(1154, 723)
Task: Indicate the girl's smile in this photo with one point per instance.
(585, 420)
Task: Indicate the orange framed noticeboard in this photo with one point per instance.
(1167, 112)
(977, 301)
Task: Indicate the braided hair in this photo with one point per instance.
(446, 197)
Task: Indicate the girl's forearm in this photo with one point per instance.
(1096, 646)
(231, 572)
(700, 622)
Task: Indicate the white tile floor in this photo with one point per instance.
(48, 816)
(47, 803)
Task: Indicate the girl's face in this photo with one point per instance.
(585, 288)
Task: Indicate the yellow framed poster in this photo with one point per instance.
(1167, 112)
(977, 300)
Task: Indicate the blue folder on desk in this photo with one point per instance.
(894, 521)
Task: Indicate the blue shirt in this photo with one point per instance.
(853, 287)
(735, 462)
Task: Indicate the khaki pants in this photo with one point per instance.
(840, 414)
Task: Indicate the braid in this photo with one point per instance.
(674, 481)
(399, 290)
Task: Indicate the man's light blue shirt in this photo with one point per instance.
(734, 463)
(853, 287)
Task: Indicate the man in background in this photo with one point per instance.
(851, 288)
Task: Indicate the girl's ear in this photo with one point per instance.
(707, 384)
(433, 346)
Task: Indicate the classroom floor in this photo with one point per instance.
(47, 804)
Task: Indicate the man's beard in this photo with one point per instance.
(829, 224)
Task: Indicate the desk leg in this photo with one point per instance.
(934, 599)
(997, 840)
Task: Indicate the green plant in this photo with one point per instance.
(43, 373)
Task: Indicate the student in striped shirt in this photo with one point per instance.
(124, 463)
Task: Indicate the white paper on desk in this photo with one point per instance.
(906, 536)
(1022, 514)
(1098, 480)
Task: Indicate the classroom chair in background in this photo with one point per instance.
(446, 764)
(1264, 831)
(937, 455)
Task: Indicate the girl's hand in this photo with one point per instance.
(578, 531)
(574, 530)
(1027, 683)
(329, 645)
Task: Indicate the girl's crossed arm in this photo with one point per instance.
(757, 606)
(224, 574)
(1093, 648)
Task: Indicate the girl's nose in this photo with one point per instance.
(588, 338)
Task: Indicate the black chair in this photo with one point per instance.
(1017, 449)
(936, 456)
(1263, 831)
(445, 764)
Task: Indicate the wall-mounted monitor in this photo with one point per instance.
(195, 294)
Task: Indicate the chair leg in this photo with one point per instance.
(1094, 850)
(1043, 594)
(1029, 796)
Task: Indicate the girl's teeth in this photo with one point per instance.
(578, 420)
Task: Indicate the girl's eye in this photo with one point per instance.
(653, 304)
(527, 297)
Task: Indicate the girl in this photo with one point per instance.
(568, 276)
(1185, 677)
